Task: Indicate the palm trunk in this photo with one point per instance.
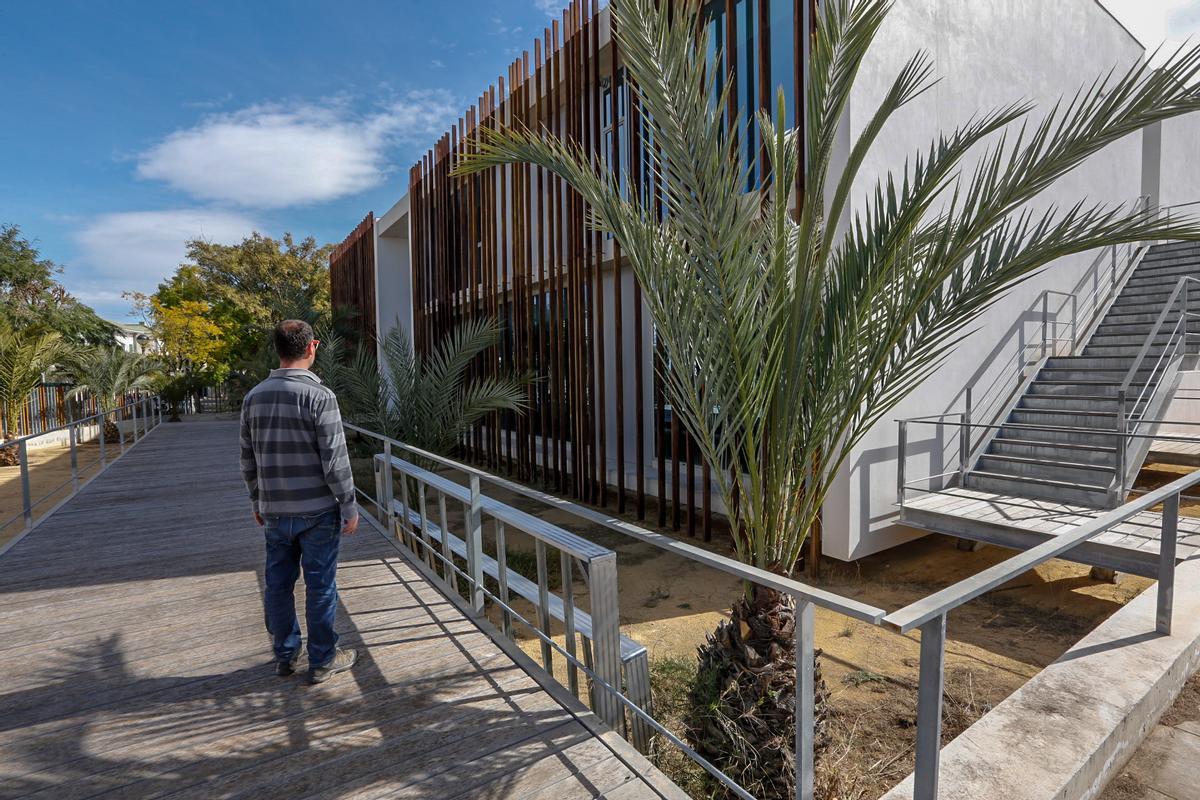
(743, 702)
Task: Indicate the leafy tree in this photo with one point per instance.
(110, 374)
(803, 336)
(31, 295)
(26, 354)
(246, 288)
(425, 400)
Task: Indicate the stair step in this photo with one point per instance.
(1079, 402)
(1173, 246)
(1153, 309)
(1139, 329)
(1049, 469)
(1128, 339)
(1034, 432)
(1074, 453)
(1075, 375)
(1040, 488)
(1104, 389)
(1114, 362)
(1098, 421)
(1126, 352)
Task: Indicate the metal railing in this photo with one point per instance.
(927, 615)
(145, 415)
(1159, 383)
(606, 688)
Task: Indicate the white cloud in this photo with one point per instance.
(1158, 22)
(276, 155)
(553, 8)
(134, 250)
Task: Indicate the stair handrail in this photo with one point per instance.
(1179, 295)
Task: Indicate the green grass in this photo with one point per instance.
(671, 681)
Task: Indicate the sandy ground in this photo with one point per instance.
(49, 482)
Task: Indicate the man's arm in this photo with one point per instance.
(249, 465)
(335, 461)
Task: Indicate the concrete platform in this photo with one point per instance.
(1066, 733)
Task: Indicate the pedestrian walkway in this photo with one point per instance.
(136, 663)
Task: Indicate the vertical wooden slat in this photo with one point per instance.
(618, 275)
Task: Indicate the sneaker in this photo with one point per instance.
(286, 668)
(342, 661)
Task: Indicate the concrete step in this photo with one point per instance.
(1067, 374)
(1078, 402)
(1166, 248)
(1074, 389)
(1049, 451)
(1153, 309)
(1125, 351)
(1165, 274)
(1128, 339)
(1049, 469)
(1145, 318)
(1113, 362)
(1098, 421)
(1039, 488)
(1139, 329)
(1033, 432)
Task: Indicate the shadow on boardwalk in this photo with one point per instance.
(137, 665)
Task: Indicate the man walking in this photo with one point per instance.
(295, 465)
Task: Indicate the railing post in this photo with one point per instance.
(388, 490)
(133, 408)
(120, 413)
(1114, 267)
(1045, 324)
(901, 458)
(26, 496)
(929, 709)
(805, 700)
(475, 544)
(1122, 426)
(543, 612)
(964, 441)
(1166, 564)
(1074, 323)
(103, 454)
(72, 437)
(606, 638)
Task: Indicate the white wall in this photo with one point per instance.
(988, 54)
(1180, 171)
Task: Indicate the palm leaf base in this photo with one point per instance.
(9, 457)
(112, 434)
(743, 702)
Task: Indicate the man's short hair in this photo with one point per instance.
(291, 339)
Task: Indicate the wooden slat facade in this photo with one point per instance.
(513, 243)
(352, 279)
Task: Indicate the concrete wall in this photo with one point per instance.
(1179, 180)
(988, 54)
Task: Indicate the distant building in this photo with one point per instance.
(135, 337)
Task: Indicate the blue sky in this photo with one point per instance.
(133, 126)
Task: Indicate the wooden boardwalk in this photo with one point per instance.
(135, 663)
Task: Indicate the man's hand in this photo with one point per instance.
(350, 526)
(258, 518)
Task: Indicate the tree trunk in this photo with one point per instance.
(9, 456)
(743, 702)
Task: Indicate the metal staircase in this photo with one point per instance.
(1082, 427)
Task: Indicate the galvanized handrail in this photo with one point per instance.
(150, 411)
(929, 614)
(807, 598)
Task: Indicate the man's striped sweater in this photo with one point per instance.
(294, 457)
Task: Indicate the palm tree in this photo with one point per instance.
(25, 356)
(427, 400)
(110, 374)
(804, 334)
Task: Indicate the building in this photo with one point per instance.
(135, 337)
(514, 244)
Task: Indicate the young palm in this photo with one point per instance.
(110, 374)
(25, 356)
(804, 334)
(429, 400)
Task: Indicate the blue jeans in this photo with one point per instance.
(308, 543)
